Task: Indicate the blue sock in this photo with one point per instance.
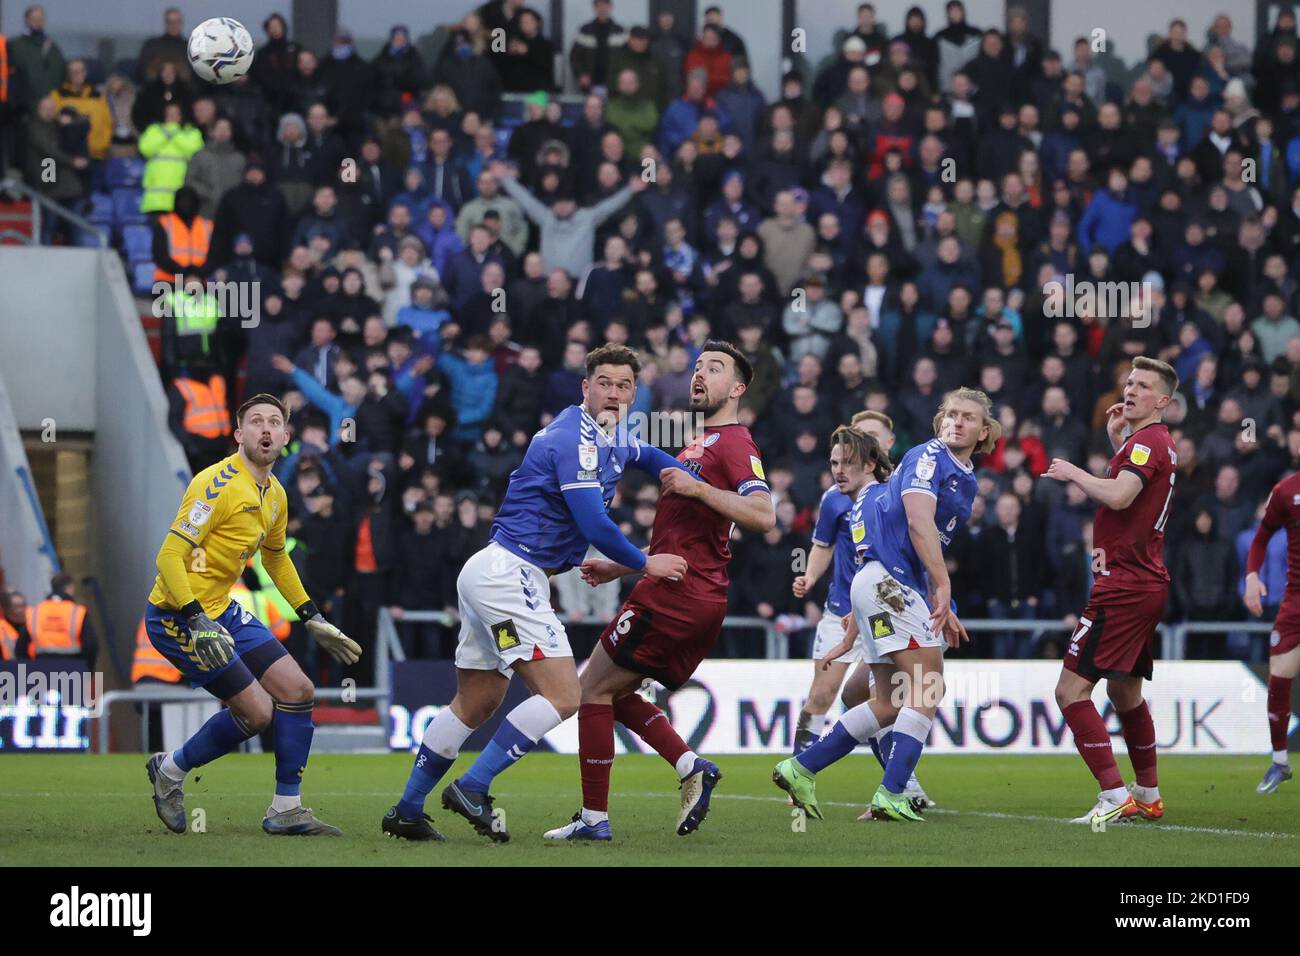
(838, 743)
(293, 729)
(903, 756)
(507, 745)
(874, 744)
(428, 770)
(221, 734)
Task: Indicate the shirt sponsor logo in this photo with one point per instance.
(881, 625)
(1140, 454)
(587, 457)
(200, 512)
(586, 476)
(190, 529)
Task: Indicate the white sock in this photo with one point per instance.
(685, 764)
(170, 770)
(913, 723)
(860, 722)
(1118, 795)
(280, 804)
(1146, 794)
(1279, 756)
(446, 734)
(592, 817)
(816, 724)
(535, 718)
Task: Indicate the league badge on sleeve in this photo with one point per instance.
(925, 467)
(200, 512)
(757, 466)
(1139, 455)
(587, 457)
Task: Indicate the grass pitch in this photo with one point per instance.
(87, 810)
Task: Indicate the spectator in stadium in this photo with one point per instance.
(171, 46)
(167, 146)
(15, 639)
(398, 73)
(37, 62)
(633, 111)
(255, 208)
(529, 61)
(595, 42)
(1204, 578)
(51, 169)
(216, 168)
(470, 74)
(1014, 562)
(514, 226)
(76, 93)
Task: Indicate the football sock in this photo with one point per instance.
(596, 754)
(911, 727)
(880, 745)
(685, 764)
(1279, 715)
(1093, 742)
(1140, 738)
(221, 734)
(293, 730)
(856, 726)
(651, 724)
(518, 734)
(443, 738)
(169, 769)
(808, 728)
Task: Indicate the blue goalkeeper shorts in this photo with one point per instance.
(256, 649)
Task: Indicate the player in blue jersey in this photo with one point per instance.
(859, 468)
(555, 507)
(928, 497)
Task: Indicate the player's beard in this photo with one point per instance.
(259, 456)
(703, 405)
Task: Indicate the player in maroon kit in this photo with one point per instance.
(1282, 511)
(665, 628)
(1116, 629)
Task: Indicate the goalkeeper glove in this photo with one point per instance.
(213, 645)
(340, 647)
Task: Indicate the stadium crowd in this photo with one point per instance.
(438, 240)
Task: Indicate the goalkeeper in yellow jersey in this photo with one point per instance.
(230, 510)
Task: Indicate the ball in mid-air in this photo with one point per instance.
(221, 50)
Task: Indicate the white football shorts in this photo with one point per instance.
(505, 613)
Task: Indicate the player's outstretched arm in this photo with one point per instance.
(819, 559)
(588, 510)
(1115, 493)
(751, 512)
(284, 575)
(654, 460)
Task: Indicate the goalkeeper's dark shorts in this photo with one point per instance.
(256, 649)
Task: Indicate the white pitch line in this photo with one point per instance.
(1171, 827)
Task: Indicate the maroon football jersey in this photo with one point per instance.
(1132, 541)
(1282, 513)
(726, 457)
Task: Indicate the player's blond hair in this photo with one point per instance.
(1168, 377)
(979, 398)
(871, 415)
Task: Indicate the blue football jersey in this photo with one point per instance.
(573, 451)
(831, 532)
(929, 469)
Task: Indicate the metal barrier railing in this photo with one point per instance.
(158, 694)
(40, 203)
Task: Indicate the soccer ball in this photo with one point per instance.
(221, 50)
